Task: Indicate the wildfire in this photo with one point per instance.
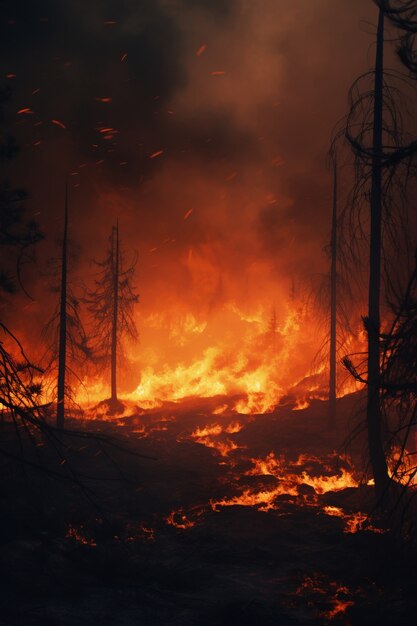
(251, 357)
(265, 500)
(317, 586)
(289, 484)
(252, 360)
(181, 520)
(272, 466)
(208, 436)
(353, 521)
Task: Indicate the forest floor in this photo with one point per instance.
(250, 520)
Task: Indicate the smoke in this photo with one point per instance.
(202, 125)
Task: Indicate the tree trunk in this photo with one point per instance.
(115, 255)
(374, 418)
(333, 301)
(62, 354)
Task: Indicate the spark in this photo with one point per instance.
(58, 123)
(201, 50)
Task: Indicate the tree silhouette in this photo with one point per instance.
(403, 14)
(333, 299)
(376, 216)
(70, 345)
(373, 324)
(332, 295)
(111, 303)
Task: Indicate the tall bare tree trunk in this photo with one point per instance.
(62, 354)
(374, 418)
(115, 254)
(333, 300)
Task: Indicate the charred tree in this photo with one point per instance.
(403, 14)
(69, 347)
(111, 303)
(375, 218)
(333, 301)
(114, 403)
(373, 322)
(62, 348)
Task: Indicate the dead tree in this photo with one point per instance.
(69, 348)
(375, 215)
(373, 325)
(111, 304)
(333, 300)
(62, 348)
(403, 14)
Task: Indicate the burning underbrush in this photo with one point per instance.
(250, 360)
(212, 513)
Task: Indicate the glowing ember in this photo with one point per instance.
(339, 608)
(79, 536)
(355, 521)
(317, 587)
(147, 533)
(178, 519)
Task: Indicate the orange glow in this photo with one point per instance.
(321, 484)
(339, 608)
(289, 483)
(79, 536)
(265, 500)
(178, 519)
(207, 436)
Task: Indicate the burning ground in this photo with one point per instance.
(222, 519)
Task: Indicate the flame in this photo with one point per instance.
(272, 466)
(317, 586)
(207, 437)
(178, 519)
(289, 483)
(300, 405)
(265, 500)
(339, 608)
(245, 355)
(252, 361)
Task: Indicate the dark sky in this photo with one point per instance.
(202, 124)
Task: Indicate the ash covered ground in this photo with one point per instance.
(181, 516)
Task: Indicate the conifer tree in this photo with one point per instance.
(111, 305)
